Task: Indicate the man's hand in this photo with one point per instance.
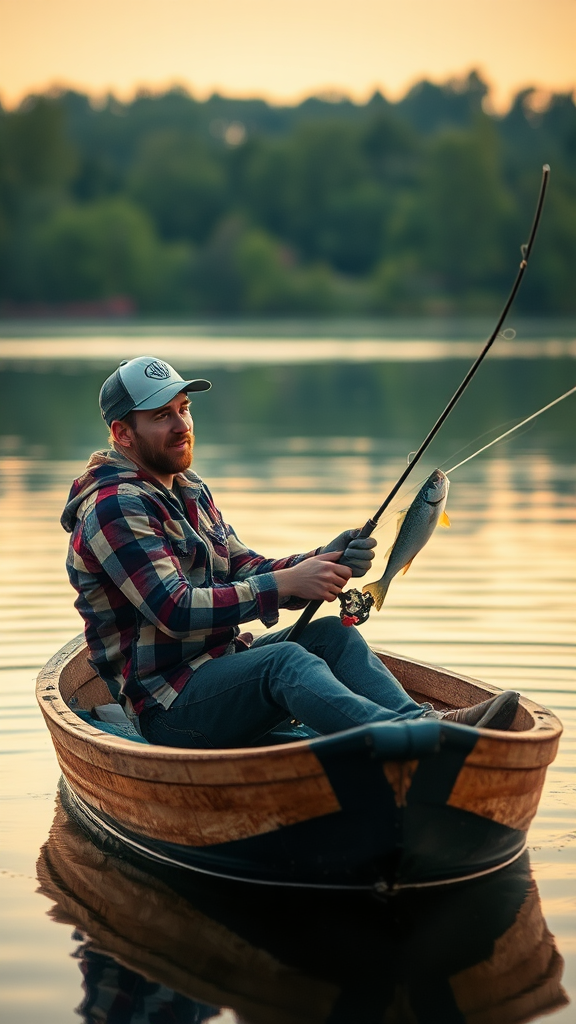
(358, 553)
(318, 578)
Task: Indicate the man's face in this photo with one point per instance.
(163, 440)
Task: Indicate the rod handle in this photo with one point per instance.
(368, 528)
(313, 606)
(299, 626)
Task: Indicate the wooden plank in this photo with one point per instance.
(197, 815)
(509, 797)
(525, 752)
(70, 668)
(436, 684)
(447, 690)
(93, 693)
(400, 774)
(185, 767)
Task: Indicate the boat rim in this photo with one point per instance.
(546, 727)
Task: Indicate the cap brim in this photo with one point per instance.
(166, 394)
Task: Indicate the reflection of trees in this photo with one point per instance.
(394, 403)
(235, 206)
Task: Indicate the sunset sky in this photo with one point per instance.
(284, 49)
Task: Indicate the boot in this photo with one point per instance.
(495, 713)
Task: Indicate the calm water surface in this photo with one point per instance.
(297, 442)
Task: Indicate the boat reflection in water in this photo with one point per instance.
(161, 945)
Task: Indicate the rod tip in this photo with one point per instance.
(546, 168)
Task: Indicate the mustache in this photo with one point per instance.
(188, 438)
(183, 437)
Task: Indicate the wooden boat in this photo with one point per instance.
(384, 806)
(173, 941)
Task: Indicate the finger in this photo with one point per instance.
(360, 564)
(330, 556)
(330, 591)
(335, 586)
(343, 571)
(352, 557)
(363, 543)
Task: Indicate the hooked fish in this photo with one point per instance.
(416, 525)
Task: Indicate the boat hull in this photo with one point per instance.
(384, 806)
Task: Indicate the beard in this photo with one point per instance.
(164, 458)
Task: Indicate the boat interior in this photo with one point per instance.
(81, 688)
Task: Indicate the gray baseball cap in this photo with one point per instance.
(142, 383)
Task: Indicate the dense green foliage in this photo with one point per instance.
(237, 206)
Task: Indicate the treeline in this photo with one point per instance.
(233, 206)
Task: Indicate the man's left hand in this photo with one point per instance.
(358, 551)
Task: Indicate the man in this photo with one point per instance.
(164, 584)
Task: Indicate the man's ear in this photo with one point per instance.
(122, 434)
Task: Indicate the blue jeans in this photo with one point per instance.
(330, 681)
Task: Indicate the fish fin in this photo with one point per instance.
(378, 591)
(444, 521)
(407, 566)
(399, 521)
(401, 517)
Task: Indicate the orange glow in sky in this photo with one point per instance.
(284, 49)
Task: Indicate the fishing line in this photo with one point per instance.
(354, 607)
(370, 525)
(391, 512)
(512, 429)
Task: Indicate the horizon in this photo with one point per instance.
(99, 100)
(286, 52)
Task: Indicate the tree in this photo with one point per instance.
(180, 185)
(106, 249)
(465, 208)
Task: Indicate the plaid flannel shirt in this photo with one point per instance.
(160, 591)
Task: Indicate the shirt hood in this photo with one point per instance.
(106, 468)
(103, 468)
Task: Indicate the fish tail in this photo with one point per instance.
(378, 591)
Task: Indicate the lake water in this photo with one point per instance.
(301, 436)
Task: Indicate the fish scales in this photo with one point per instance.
(415, 527)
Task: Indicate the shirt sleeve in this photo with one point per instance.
(129, 544)
(245, 564)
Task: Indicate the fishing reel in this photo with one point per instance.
(355, 607)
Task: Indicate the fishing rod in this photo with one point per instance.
(371, 524)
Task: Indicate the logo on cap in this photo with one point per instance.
(157, 370)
